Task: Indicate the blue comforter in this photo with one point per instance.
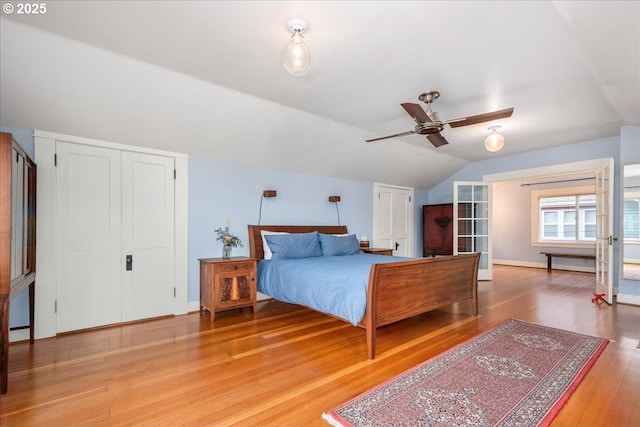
(331, 284)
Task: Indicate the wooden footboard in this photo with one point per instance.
(404, 289)
(399, 290)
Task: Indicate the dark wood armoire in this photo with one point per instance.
(17, 237)
(437, 224)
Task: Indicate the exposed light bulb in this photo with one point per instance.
(494, 142)
(296, 55)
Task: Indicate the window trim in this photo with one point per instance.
(536, 195)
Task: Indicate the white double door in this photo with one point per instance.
(115, 236)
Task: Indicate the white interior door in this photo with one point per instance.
(383, 210)
(472, 223)
(604, 228)
(89, 236)
(147, 236)
(393, 219)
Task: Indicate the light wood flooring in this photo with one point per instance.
(289, 364)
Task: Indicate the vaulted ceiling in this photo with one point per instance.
(204, 78)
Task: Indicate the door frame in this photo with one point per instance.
(45, 301)
(591, 166)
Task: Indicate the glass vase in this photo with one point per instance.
(226, 252)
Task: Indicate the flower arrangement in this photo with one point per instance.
(227, 238)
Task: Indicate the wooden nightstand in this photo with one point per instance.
(378, 251)
(227, 284)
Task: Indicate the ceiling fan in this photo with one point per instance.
(428, 122)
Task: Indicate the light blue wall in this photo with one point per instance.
(219, 190)
(623, 149)
(19, 312)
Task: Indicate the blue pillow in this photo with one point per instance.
(294, 245)
(339, 245)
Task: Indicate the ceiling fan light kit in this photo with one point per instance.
(494, 142)
(428, 122)
(296, 55)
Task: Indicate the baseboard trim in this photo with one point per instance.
(556, 266)
(628, 299)
(19, 335)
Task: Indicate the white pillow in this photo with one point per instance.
(265, 246)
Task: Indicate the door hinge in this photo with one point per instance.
(409, 198)
(55, 159)
(17, 157)
(174, 174)
(55, 306)
(612, 239)
(174, 291)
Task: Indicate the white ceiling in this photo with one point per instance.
(204, 78)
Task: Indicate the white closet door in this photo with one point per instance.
(147, 236)
(89, 236)
(393, 219)
(403, 221)
(383, 209)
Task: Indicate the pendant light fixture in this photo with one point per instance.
(494, 141)
(296, 55)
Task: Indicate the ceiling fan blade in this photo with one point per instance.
(437, 140)
(391, 136)
(416, 112)
(481, 118)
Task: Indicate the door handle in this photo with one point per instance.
(397, 245)
(129, 262)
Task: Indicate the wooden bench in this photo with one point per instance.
(559, 255)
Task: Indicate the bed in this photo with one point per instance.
(394, 288)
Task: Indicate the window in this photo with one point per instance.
(560, 222)
(631, 228)
(564, 216)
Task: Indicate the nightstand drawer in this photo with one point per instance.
(378, 251)
(231, 266)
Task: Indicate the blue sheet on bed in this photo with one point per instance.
(331, 284)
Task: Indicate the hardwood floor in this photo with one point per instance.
(289, 364)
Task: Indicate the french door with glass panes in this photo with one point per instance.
(472, 223)
(604, 230)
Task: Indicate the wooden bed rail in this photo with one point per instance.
(404, 289)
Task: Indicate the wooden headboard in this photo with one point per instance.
(255, 238)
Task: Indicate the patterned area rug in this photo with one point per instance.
(517, 373)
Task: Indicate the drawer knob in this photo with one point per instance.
(235, 267)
